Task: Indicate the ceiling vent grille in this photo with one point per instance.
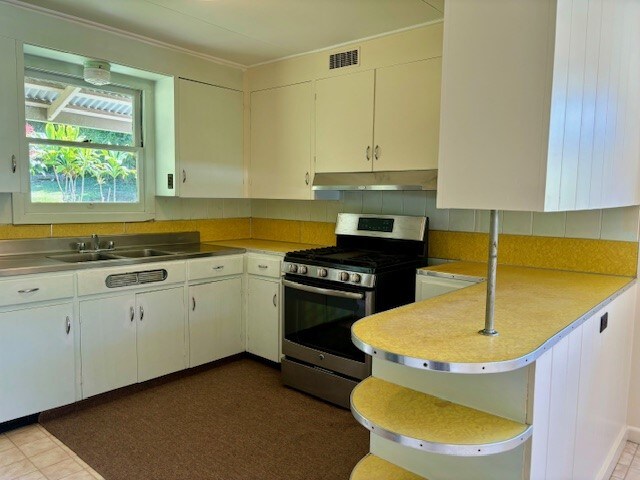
(135, 278)
(344, 59)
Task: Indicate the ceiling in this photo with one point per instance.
(248, 32)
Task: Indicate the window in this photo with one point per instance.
(84, 141)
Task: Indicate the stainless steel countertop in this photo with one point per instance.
(14, 263)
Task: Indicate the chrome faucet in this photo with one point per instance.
(95, 242)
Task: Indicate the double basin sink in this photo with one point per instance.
(82, 257)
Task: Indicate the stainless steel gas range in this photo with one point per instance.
(372, 268)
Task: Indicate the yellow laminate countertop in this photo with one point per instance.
(533, 307)
(432, 424)
(375, 468)
(265, 246)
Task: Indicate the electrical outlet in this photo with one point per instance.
(170, 181)
(604, 321)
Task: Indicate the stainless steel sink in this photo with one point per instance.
(83, 257)
(143, 253)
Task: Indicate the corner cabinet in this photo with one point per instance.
(264, 317)
(10, 132)
(379, 120)
(548, 120)
(199, 140)
(215, 308)
(281, 142)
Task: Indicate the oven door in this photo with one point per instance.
(317, 325)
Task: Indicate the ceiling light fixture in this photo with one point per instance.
(97, 72)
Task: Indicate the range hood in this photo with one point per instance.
(406, 180)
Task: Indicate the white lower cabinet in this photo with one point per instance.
(37, 360)
(263, 318)
(215, 320)
(108, 344)
(131, 338)
(161, 347)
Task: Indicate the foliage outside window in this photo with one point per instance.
(84, 141)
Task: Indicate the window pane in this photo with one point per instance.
(61, 174)
(97, 115)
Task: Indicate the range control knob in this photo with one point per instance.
(344, 276)
(293, 268)
(302, 269)
(322, 272)
(355, 277)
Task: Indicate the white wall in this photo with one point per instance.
(48, 31)
(610, 224)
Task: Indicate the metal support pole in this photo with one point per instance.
(489, 329)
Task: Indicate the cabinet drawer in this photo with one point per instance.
(262, 265)
(214, 267)
(30, 289)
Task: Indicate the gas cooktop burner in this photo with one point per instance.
(349, 257)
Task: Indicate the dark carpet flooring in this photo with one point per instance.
(232, 422)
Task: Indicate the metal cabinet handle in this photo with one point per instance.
(306, 178)
(263, 266)
(29, 290)
(193, 303)
(184, 176)
(132, 313)
(14, 164)
(219, 267)
(141, 313)
(275, 299)
(376, 152)
(368, 152)
(68, 327)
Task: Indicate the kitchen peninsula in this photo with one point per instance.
(546, 398)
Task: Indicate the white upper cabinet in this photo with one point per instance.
(344, 123)
(540, 105)
(281, 142)
(392, 126)
(9, 125)
(200, 153)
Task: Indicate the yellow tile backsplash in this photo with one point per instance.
(223, 229)
(85, 229)
(14, 232)
(573, 254)
(321, 233)
(278, 230)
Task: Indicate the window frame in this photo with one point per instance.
(27, 212)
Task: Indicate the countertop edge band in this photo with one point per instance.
(454, 276)
(457, 450)
(489, 367)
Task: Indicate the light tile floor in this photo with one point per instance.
(628, 467)
(32, 453)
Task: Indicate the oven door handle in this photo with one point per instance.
(323, 291)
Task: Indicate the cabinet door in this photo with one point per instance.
(108, 344)
(37, 360)
(215, 321)
(281, 142)
(344, 123)
(160, 340)
(407, 120)
(10, 132)
(210, 141)
(263, 318)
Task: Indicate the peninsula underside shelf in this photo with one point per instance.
(375, 468)
(426, 422)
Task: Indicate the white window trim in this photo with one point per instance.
(26, 212)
